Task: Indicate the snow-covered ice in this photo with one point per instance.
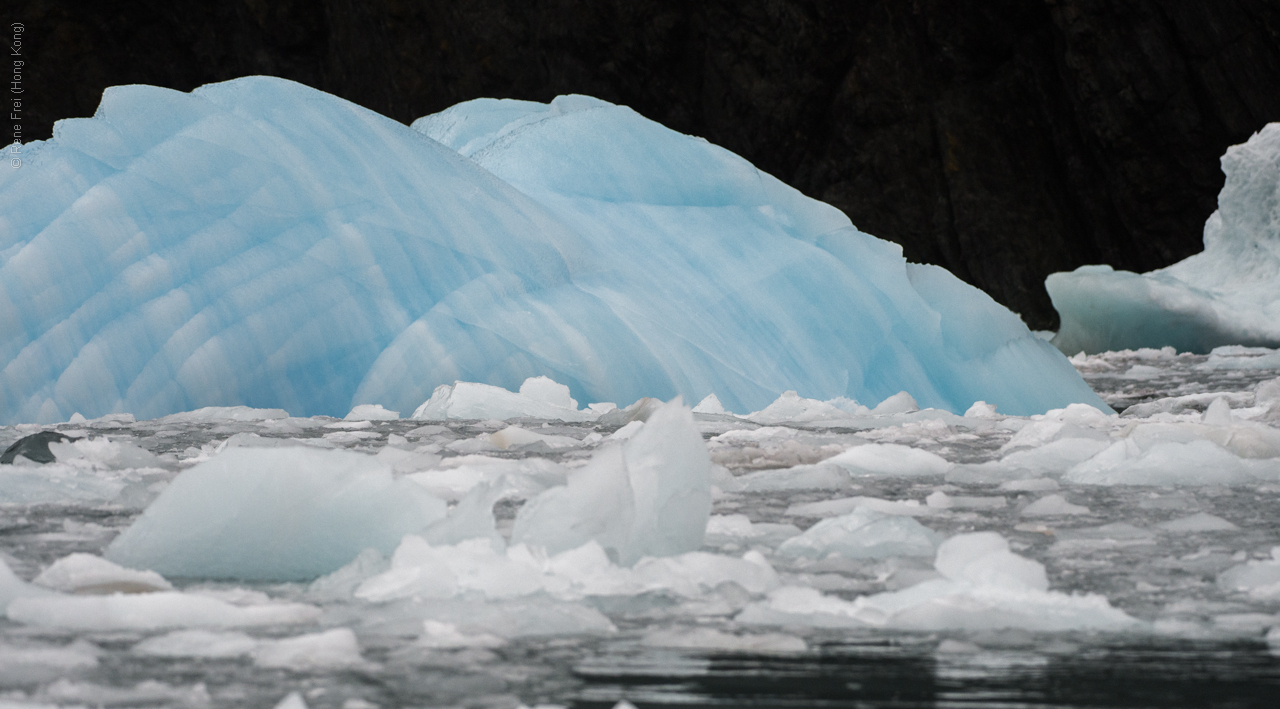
(1229, 294)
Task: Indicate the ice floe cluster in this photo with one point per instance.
(374, 545)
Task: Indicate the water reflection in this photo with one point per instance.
(949, 674)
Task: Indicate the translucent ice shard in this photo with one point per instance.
(650, 496)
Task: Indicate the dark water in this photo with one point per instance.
(1168, 674)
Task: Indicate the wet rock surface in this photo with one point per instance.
(34, 448)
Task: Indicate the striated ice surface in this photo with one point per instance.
(259, 243)
(646, 549)
(1229, 294)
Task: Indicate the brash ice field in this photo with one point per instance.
(622, 420)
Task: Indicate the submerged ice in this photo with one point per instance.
(260, 243)
(1229, 294)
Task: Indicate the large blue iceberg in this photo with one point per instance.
(258, 242)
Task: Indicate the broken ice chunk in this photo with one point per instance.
(371, 412)
(327, 650)
(1126, 462)
(539, 397)
(651, 496)
(152, 611)
(985, 587)
(1052, 505)
(1198, 522)
(890, 460)
(863, 534)
(274, 514)
(710, 404)
(89, 574)
(1260, 579)
(197, 643)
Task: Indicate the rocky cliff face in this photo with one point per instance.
(1004, 139)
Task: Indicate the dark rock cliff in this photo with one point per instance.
(1003, 139)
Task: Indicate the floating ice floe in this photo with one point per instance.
(152, 611)
(1229, 294)
(539, 397)
(863, 534)
(1258, 578)
(452, 478)
(738, 529)
(71, 693)
(984, 586)
(1052, 506)
(838, 472)
(846, 505)
(274, 514)
(224, 413)
(335, 649)
(1129, 462)
(474, 569)
(1196, 523)
(207, 644)
(89, 574)
(371, 412)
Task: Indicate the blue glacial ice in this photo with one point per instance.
(1229, 294)
(260, 243)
